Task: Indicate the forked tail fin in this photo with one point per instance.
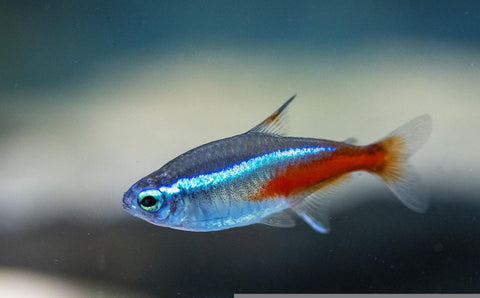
(397, 173)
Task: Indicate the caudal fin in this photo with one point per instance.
(397, 173)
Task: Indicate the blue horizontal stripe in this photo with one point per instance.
(236, 170)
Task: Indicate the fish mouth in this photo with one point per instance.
(128, 199)
(126, 206)
(131, 209)
(129, 206)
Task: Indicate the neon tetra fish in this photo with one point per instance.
(256, 176)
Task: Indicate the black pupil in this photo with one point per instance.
(148, 201)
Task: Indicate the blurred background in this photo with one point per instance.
(94, 95)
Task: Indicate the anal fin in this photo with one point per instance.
(314, 208)
(280, 220)
(314, 213)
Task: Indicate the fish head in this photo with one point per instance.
(150, 203)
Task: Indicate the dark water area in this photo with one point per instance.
(374, 248)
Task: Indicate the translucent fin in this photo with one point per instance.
(275, 123)
(400, 176)
(314, 213)
(314, 208)
(351, 141)
(280, 220)
(409, 190)
(415, 133)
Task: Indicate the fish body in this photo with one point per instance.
(256, 176)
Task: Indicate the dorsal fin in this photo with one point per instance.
(351, 141)
(275, 123)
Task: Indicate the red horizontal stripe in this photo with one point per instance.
(299, 177)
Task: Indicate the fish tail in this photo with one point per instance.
(396, 172)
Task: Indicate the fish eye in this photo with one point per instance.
(150, 200)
